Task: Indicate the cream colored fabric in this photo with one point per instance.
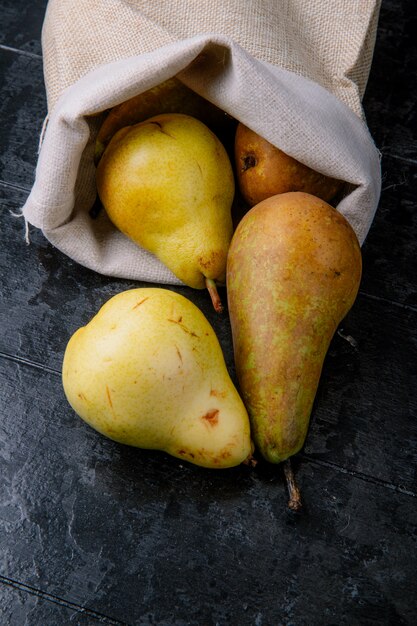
(294, 71)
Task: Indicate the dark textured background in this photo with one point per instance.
(92, 532)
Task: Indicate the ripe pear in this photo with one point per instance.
(167, 183)
(148, 371)
(293, 273)
(264, 170)
(171, 96)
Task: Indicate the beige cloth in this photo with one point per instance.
(293, 71)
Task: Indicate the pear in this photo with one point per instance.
(148, 371)
(293, 273)
(171, 96)
(167, 183)
(263, 170)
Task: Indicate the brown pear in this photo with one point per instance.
(264, 170)
(293, 272)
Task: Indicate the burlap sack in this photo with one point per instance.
(293, 71)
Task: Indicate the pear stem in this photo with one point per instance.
(214, 295)
(294, 503)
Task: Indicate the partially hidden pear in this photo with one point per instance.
(293, 273)
(148, 371)
(171, 96)
(167, 183)
(263, 170)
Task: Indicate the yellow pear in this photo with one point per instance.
(148, 371)
(167, 183)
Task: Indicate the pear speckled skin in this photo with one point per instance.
(293, 273)
(148, 371)
(167, 183)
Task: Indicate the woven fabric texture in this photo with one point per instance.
(293, 71)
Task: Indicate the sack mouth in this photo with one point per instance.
(290, 111)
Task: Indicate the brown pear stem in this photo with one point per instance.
(214, 295)
(294, 503)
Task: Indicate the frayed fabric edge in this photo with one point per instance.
(27, 234)
(20, 215)
(42, 133)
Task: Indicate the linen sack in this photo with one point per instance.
(293, 71)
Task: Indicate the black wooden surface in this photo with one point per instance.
(92, 532)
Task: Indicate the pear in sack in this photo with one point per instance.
(148, 371)
(293, 273)
(171, 96)
(167, 183)
(263, 170)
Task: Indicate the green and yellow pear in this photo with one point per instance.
(167, 183)
(293, 273)
(148, 371)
